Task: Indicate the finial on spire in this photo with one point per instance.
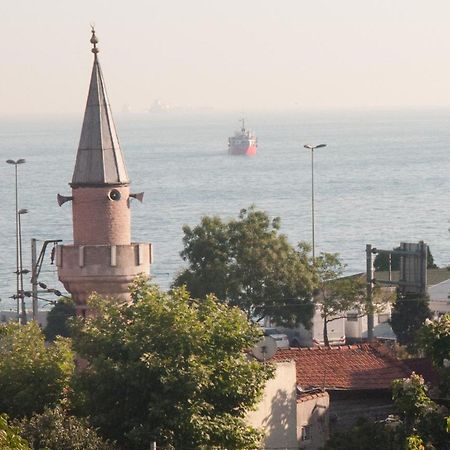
(94, 41)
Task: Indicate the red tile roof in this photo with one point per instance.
(355, 367)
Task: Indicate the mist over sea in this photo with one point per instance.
(384, 178)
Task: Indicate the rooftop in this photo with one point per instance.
(350, 367)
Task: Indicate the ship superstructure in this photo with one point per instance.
(244, 142)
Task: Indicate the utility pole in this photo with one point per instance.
(369, 303)
(34, 292)
(36, 266)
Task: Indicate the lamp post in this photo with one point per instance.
(16, 163)
(312, 148)
(23, 315)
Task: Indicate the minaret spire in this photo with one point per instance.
(99, 158)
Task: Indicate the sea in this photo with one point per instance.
(384, 178)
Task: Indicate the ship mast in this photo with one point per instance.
(243, 125)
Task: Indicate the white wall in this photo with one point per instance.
(276, 413)
(312, 412)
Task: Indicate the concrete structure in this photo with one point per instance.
(276, 414)
(313, 419)
(291, 419)
(439, 298)
(356, 326)
(102, 258)
(11, 316)
(301, 337)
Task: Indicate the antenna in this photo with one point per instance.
(265, 349)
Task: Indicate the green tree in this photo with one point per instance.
(381, 261)
(57, 319)
(408, 315)
(422, 420)
(10, 438)
(32, 375)
(364, 435)
(249, 264)
(170, 369)
(55, 429)
(336, 295)
(435, 341)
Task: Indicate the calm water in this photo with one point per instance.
(384, 178)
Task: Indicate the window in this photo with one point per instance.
(306, 433)
(383, 318)
(352, 317)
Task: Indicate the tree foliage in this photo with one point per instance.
(435, 341)
(32, 375)
(422, 420)
(55, 429)
(364, 435)
(170, 369)
(249, 264)
(10, 438)
(57, 319)
(408, 315)
(381, 261)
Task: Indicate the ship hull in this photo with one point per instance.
(248, 150)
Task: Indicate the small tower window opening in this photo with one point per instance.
(114, 194)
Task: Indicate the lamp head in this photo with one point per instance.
(19, 161)
(313, 147)
(22, 211)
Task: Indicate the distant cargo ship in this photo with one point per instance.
(243, 142)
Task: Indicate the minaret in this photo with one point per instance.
(102, 258)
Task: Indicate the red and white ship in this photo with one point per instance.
(243, 142)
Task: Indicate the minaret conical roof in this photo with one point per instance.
(99, 157)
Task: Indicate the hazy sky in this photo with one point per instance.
(229, 54)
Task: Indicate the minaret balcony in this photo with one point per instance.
(105, 269)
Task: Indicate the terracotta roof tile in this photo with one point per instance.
(358, 367)
(304, 397)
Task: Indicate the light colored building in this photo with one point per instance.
(356, 326)
(357, 378)
(439, 298)
(276, 413)
(10, 316)
(313, 419)
(289, 418)
(301, 337)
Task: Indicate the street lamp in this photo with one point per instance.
(312, 148)
(16, 163)
(23, 320)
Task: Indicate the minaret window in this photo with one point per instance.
(114, 194)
